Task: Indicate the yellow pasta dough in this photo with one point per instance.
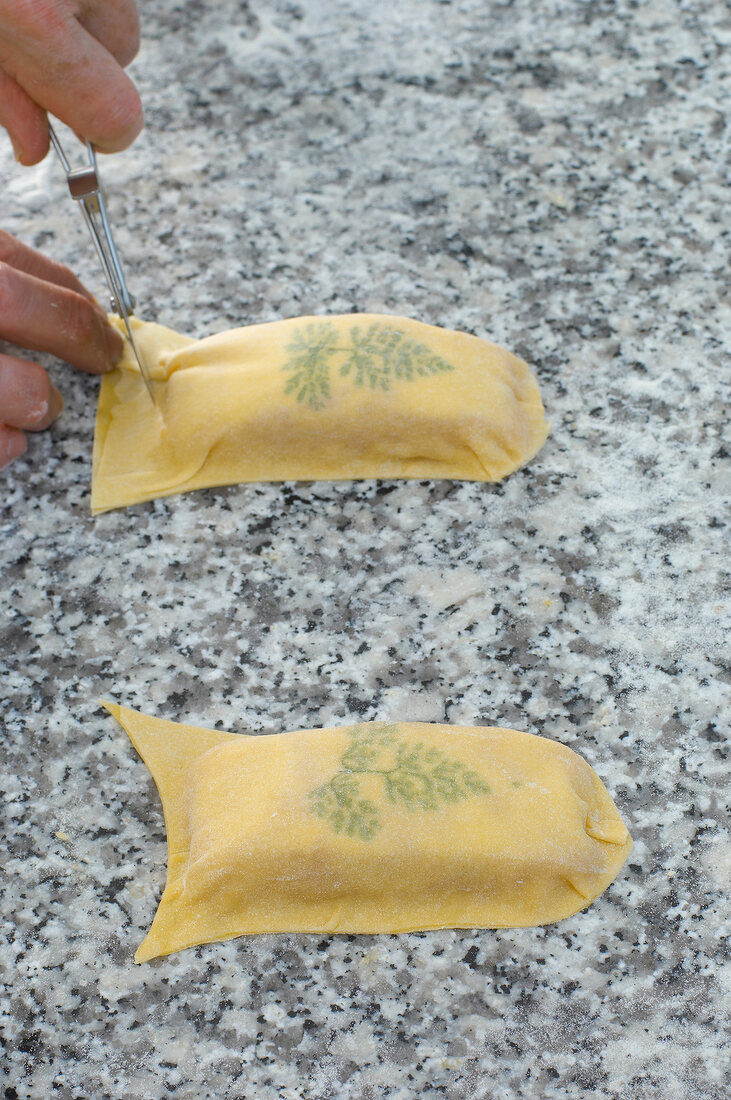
(379, 827)
(355, 396)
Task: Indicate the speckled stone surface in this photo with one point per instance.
(547, 174)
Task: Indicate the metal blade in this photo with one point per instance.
(85, 188)
(144, 369)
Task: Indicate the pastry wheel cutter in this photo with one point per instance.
(85, 188)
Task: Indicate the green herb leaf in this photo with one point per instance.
(413, 775)
(381, 354)
(339, 802)
(364, 752)
(376, 357)
(308, 363)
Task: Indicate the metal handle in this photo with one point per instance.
(85, 188)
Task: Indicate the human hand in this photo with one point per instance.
(43, 307)
(66, 57)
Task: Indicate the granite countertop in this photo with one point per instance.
(551, 176)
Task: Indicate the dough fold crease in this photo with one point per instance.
(312, 398)
(371, 828)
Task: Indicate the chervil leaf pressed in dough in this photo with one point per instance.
(410, 774)
(308, 365)
(375, 357)
(378, 827)
(309, 399)
(381, 355)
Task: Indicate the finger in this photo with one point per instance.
(67, 72)
(28, 399)
(12, 445)
(24, 120)
(114, 23)
(26, 259)
(44, 317)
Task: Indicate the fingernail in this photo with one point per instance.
(115, 345)
(55, 405)
(19, 155)
(15, 446)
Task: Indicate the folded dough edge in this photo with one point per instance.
(270, 834)
(311, 398)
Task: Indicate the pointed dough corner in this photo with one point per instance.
(168, 749)
(373, 828)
